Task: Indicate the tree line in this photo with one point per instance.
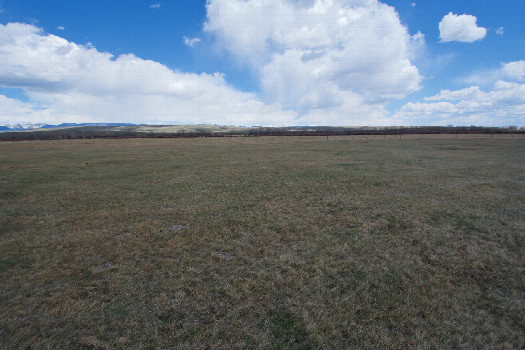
(102, 132)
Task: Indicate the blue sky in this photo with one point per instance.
(256, 62)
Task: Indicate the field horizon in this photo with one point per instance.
(96, 131)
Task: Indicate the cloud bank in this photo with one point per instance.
(511, 71)
(67, 82)
(319, 62)
(469, 106)
(461, 28)
(334, 62)
(322, 62)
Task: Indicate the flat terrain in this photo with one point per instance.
(270, 242)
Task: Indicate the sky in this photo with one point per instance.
(263, 62)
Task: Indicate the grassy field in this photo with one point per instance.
(270, 243)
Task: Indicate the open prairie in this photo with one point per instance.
(269, 242)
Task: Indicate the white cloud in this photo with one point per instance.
(155, 6)
(192, 41)
(416, 46)
(462, 28)
(515, 70)
(13, 111)
(67, 82)
(60, 28)
(511, 71)
(500, 31)
(343, 59)
(504, 104)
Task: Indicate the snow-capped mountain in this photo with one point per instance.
(31, 126)
(22, 126)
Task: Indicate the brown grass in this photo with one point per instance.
(282, 243)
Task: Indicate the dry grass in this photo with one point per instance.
(283, 243)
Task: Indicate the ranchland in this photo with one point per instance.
(345, 242)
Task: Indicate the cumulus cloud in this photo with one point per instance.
(500, 31)
(504, 103)
(155, 6)
(514, 70)
(67, 82)
(192, 41)
(60, 28)
(340, 59)
(462, 28)
(510, 71)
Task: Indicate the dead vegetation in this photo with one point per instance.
(283, 243)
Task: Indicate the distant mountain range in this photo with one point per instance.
(31, 126)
